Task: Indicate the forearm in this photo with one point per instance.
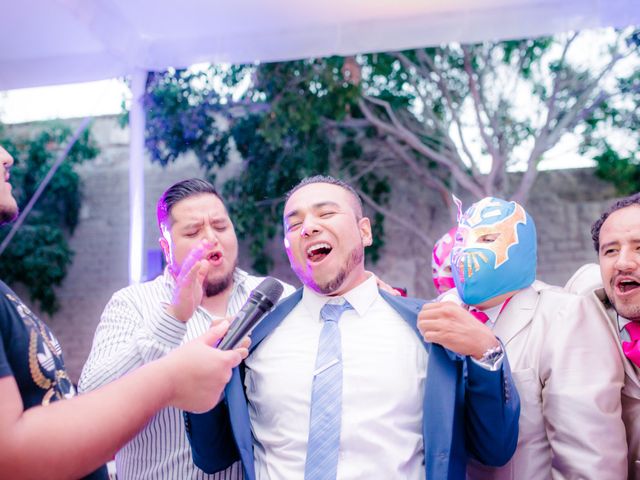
(71, 438)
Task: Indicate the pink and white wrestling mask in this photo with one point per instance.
(441, 262)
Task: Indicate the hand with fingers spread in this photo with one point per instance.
(454, 328)
(188, 291)
(198, 372)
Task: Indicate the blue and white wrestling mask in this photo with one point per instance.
(495, 250)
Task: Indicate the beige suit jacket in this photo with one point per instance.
(565, 365)
(631, 389)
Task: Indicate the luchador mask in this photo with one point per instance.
(441, 262)
(494, 250)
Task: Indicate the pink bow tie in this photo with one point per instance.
(632, 349)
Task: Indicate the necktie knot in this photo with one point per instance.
(483, 317)
(331, 312)
(632, 349)
(633, 329)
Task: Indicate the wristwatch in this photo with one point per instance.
(491, 359)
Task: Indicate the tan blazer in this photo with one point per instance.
(568, 373)
(631, 389)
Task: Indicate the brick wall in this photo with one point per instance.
(563, 204)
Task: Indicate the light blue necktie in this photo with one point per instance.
(326, 399)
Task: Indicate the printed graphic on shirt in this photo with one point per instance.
(45, 356)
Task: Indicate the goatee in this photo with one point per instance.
(355, 258)
(213, 288)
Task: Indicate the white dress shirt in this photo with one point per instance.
(384, 370)
(135, 329)
(622, 331)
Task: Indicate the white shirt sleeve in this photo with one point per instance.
(124, 340)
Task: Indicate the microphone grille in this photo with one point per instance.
(270, 288)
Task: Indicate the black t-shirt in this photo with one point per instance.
(30, 352)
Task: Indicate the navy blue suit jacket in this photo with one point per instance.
(467, 410)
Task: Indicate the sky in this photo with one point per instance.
(63, 101)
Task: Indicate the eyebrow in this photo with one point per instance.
(634, 241)
(315, 206)
(607, 245)
(200, 221)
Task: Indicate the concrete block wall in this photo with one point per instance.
(564, 204)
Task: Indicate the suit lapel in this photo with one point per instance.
(516, 315)
(408, 309)
(273, 319)
(441, 394)
(612, 320)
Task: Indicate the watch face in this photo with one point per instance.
(492, 355)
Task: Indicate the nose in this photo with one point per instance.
(627, 260)
(211, 235)
(309, 228)
(5, 159)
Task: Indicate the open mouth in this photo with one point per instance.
(214, 257)
(627, 285)
(318, 252)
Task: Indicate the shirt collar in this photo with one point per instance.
(361, 298)
(622, 322)
(493, 313)
(239, 278)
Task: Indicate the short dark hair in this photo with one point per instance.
(331, 181)
(179, 191)
(620, 204)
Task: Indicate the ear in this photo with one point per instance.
(164, 245)
(364, 225)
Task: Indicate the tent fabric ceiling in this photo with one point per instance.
(46, 42)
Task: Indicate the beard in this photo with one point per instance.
(355, 258)
(219, 285)
(630, 311)
(8, 213)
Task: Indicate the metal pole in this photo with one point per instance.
(136, 177)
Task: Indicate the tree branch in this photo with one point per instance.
(452, 109)
(394, 217)
(410, 139)
(477, 103)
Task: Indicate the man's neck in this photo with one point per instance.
(217, 304)
(495, 300)
(357, 279)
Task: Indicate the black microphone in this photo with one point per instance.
(260, 301)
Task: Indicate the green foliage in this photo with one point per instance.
(618, 121)
(180, 116)
(39, 255)
(622, 172)
(453, 117)
(281, 133)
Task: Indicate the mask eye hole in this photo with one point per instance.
(488, 238)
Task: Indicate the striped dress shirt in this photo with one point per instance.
(135, 329)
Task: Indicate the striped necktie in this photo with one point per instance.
(326, 399)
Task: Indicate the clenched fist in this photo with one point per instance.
(454, 328)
